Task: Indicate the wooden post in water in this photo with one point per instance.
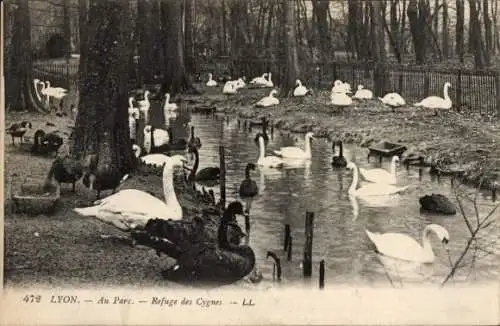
(322, 274)
(287, 237)
(222, 177)
(307, 263)
(289, 252)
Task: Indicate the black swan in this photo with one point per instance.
(173, 238)
(438, 204)
(65, 170)
(248, 187)
(17, 130)
(339, 160)
(193, 140)
(102, 177)
(46, 143)
(263, 133)
(175, 144)
(208, 176)
(214, 263)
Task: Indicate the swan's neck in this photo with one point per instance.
(262, 149)
(130, 104)
(146, 98)
(354, 184)
(195, 166)
(426, 242)
(147, 142)
(269, 77)
(247, 173)
(341, 150)
(393, 168)
(168, 186)
(445, 91)
(300, 84)
(308, 146)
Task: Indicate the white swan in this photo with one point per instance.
(371, 189)
(269, 82)
(393, 100)
(131, 110)
(300, 90)
(36, 81)
(436, 102)
(229, 87)
(167, 106)
(340, 99)
(259, 80)
(157, 160)
(363, 94)
(267, 161)
(130, 208)
(56, 92)
(338, 87)
(381, 175)
(160, 138)
(402, 246)
(144, 106)
(210, 81)
(295, 152)
(269, 100)
(240, 83)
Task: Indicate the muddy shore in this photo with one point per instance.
(462, 144)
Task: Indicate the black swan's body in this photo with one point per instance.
(103, 177)
(339, 160)
(66, 170)
(193, 140)
(248, 187)
(17, 130)
(208, 176)
(173, 238)
(438, 204)
(214, 263)
(46, 143)
(177, 144)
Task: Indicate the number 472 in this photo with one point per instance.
(31, 298)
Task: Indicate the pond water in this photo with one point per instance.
(340, 220)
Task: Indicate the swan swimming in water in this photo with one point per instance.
(372, 189)
(267, 161)
(404, 247)
(381, 175)
(295, 152)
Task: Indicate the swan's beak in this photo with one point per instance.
(445, 240)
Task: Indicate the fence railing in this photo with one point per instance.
(472, 91)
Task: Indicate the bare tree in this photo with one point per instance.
(377, 32)
(459, 30)
(145, 33)
(101, 125)
(320, 11)
(475, 36)
(292, 59)
(445, 31)
(189, 38)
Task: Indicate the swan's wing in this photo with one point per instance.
(161, 137)
(375, 174)
(397, 245)
(132, 201)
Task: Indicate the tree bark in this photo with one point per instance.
(101, 125)
(445, 30)
(146, 39)
(377, 31)
(321, 13)
(20, 89)
(417, 28)
(189, 38)
(475, 40)
(488, 32)
(292, 60)
(175, 78)
(459, 30)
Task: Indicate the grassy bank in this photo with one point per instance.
(450, 141)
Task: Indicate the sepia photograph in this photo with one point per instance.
(234, 161)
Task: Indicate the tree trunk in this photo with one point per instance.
(175, 78)
(459, 30)
(20, 89)
(321, 13)
(224, 32)
(488, 32)
(189, 39)
(67, 28)
(475, 36)
(292, 60)
(101, 125)
(445, 30)
(377, 32)
(146, 39)
(417, 32)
